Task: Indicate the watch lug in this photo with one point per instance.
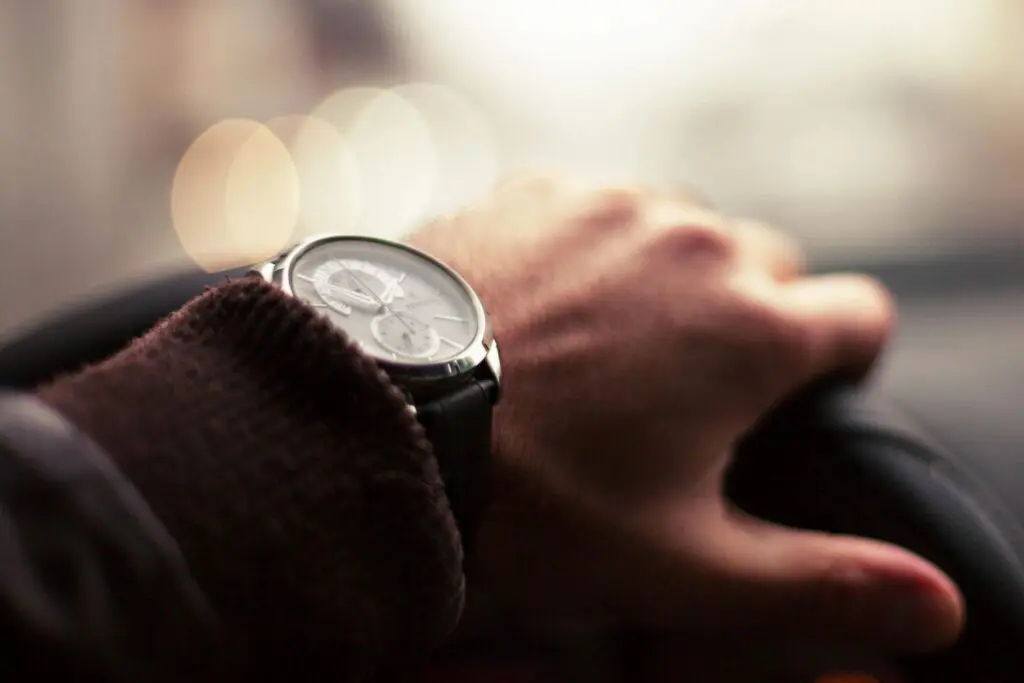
(266, 270)
(493, 364)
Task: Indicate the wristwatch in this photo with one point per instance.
(427, 329)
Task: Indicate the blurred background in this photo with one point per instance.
(138, 136)
(144, 136)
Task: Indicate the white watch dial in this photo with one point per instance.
(399, 305)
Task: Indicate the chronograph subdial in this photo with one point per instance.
(347, 284)
(404, 335)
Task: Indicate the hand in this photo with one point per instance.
(641, 335)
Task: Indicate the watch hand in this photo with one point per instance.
(403, 316)
(413, 304)
(349, 293)
(383, 305)
(362, 285)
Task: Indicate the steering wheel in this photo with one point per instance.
(835, 458)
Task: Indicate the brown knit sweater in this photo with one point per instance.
(300, 489)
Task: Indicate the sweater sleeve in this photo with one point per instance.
(300, 489)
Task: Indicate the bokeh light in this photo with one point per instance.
(369, 161)
(235, 196)
(328, 174)
(464, 141)
(395, 153)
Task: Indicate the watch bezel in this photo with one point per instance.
(460, 366)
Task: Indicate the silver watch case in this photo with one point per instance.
(479, 360)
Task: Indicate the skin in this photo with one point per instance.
(642, 334)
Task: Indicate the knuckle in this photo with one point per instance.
(702, 237)
(613, 209)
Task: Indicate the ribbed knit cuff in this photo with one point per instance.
(301, 490)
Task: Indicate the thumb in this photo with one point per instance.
(823, 586)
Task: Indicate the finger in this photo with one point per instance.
(786, 582)
(765, 249)
(847, 320)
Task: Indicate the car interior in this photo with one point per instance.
(888, 138)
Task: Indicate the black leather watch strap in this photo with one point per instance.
(459, 428)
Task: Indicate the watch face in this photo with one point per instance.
(400, 306)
